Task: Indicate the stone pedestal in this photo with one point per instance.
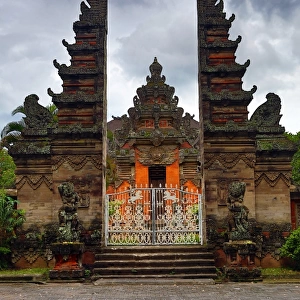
(68, 260)
(240, 261)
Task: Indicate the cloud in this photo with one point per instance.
(271, 41)
(139, 30)
(167, 30)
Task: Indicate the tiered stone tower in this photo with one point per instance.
(79, 142)
(74, 149)
(235, 148)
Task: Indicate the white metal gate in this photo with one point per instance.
(149, 216)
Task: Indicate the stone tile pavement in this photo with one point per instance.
(153, 290)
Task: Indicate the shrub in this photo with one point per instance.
(291, 248)
(10, 219)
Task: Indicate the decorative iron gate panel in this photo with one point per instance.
(150, 216)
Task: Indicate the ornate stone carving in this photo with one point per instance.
(121, 135)
(37, 116)
(70, 70)
(77, 131)
(34, 181)
(238, 212)
(230, 128)
(67, 215)
(222, 189)
(225, 95)
(163, 155)
(188, 152)
(268, 114)
(83, 187)
(272, 178)
(157, 137)
(274, 143)
(229, 160)
(225, 68)
(31, 245)
(23, 147)
(78, 97)
(77, 162)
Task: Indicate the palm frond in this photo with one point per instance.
(16, 126)
(17, 110)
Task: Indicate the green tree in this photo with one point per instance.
(10, 219)
(291, 248)
(7, 170)
(296, 158)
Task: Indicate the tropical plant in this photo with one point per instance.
(12, 131)
(7, 170)
(10, 219)
(291, 248)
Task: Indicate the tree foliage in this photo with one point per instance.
(10, 219)
(291, 248)
(7, 170)
(296, 158)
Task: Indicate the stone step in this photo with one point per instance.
(157, 249)
(145, 271)
(182, 261)
(154, 256)
(153, 263)
(110, 278)
(154, 280)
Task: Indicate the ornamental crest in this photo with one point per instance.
(163, 155)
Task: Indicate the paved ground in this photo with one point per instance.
(141, 290)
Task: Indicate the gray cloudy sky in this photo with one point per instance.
(31, 32)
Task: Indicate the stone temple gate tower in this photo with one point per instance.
(234, 146)
(74, 149)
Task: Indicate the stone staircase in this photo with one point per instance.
(180, 262)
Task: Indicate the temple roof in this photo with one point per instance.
(155, 114)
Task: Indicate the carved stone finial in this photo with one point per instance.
(155, 68)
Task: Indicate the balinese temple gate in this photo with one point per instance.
(162, 178)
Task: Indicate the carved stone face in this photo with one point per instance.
(156, 154)
(66, 190)
(163, 155)
(237, 189)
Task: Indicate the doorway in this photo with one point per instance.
(157, 176)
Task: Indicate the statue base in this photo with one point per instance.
(240, 261)
(68, 261)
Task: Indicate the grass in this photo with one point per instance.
(279, 272)
(12, 272)
(272, 273)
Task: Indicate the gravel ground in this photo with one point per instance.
(138, 290)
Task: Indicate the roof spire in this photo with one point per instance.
(155, 68)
